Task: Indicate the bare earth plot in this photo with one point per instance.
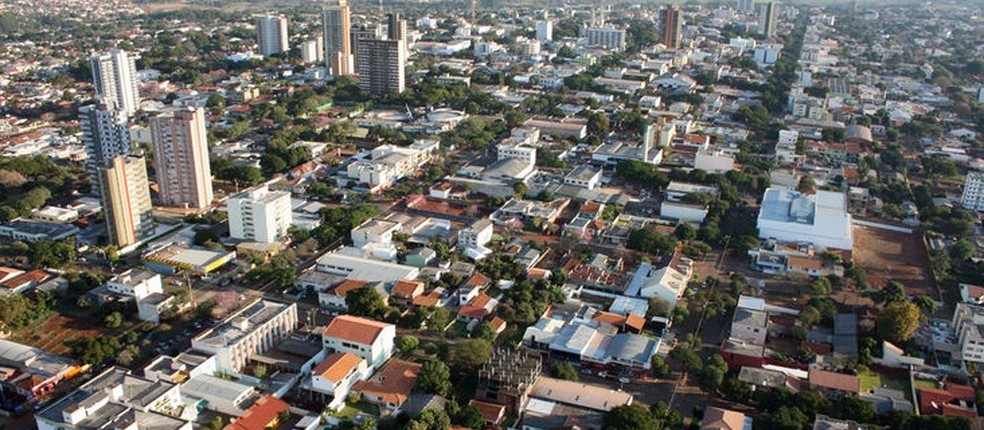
(894, 256)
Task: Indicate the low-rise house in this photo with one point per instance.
(951, 400)
(336, 375)
(492, 413)
(668, 281)
(265, 414)
(723, 419)
(391, 386)
(833, 384)
(405, 291)
(478, 309)
(363, 337)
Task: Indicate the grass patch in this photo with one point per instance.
(350, 410)
(923, 383)
(871, 380)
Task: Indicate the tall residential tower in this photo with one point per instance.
(181, 158)
(767, 19)
(336, 26)
(381, 66)
(126, 200)
(105, 135)
(114, 74)
(672, 20)
(271, 34)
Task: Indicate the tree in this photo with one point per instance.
(486, 331)
(788, 418)
(260, 371)
(806, 184)
(898, 321)
(820, 287)
(564, 370)
(648, 239)
(439, 319)
(736, 390)
(685, 232)
(659, 366)
(216, 423)
(598, 123)
(963, 250)
(204, 235)
(630, 417)
(925, 303)
(365, 302)
(55, 255)
(520, 189)
(407, 344)
(470, 417)
(114, 320)
(893, 292)
(473, 353)
(659, 307)
(712, 375)
(434, 377)
(689, 359)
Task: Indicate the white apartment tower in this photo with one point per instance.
(336, 25)
(259, 215)
(606, 37)
(313, 50)
(544, 31)
(381, 66)
(114, 74)
(105, 136)
(271, 34)
(767, 19)
(181, 158)
(973, 192)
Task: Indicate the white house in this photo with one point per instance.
(374, 231)
(478, 234)
(683, 211)
(135, 283)
(667, 282)
(336, 375)
(372, 340)
(259, 215)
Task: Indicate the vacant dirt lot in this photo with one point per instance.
(888, 255)
(51, 334)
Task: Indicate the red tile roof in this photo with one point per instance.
(835, 381)
(355, 329)
(393, 383)
(264, 413)
(338, 365)
(492, 412)
(953, 400)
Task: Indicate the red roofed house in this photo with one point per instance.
(480, 308)
(470, 289)
(405, 291)
(493, 413)
(24, 281)
(724, 419)
(391, 386)
(834, 384)
(265, 413)
(335, 297)
(372, 340)
(952, 400)
(336, 375)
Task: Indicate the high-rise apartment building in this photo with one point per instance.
(105, 135)
(973, 192)
(114, 74)
(181, 158)
(606, 37)
(767, 19)
(126, 200)
(336, 24)
(544, 31)
(397, 27)
(672, 21)
(313, 50)
(746, 5)
(259, 215)
(364, 31)
(271, 34)
(381, 66)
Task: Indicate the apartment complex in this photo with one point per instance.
(606, 37)
(181, 158)
(389, 164)
(114, 75)
(381, 65)
(672, 21)
(259, 215)
(253, 330)
(973, 192)
(271, 34)
(767, 19)
(336, 26)
(105, 135)
(968, 323)
(313, 50)
(126, 200)
(397, 27)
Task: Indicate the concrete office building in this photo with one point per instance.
(253, 330)
(181, 158)
(271, 34)
(767, 19)
(671, 19)
(544, 31)
(397, 28)
(336, 25)
(606, 37)
(126, 200)
(259, 215)
(381, 66)
(105, 136)
(820, 219)
(114, 75)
